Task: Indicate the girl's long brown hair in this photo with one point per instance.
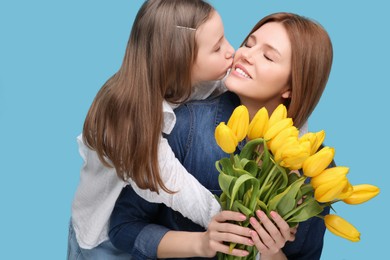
(311, 62)
(124, 122)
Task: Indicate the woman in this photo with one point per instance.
(285, 59)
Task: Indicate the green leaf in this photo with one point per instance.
(264, 190)
(249, 149)
(306, 210)
(286, 201)
(250, 166)
(237, 206)
(262, 205)
(237, 185)
(224, 166)
(237, 164)
(255, 194)
(273, 190)
(226, 182)
(292, 177)
(247, 196)
(307, 189)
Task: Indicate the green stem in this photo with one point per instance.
(270, 173)
(270, 191)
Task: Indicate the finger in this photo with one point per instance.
(226, 250)
(284, 228)
(229, 215)
(272, 230)
(233, 238)
(232, 228)
(264, 237)
(258, 243)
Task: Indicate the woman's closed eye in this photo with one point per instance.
(247, 45)
(267, 57)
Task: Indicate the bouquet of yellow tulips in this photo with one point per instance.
(272, 171)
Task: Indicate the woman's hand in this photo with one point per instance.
(219, 231)
(268, 237)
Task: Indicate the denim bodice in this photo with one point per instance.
(193, 141)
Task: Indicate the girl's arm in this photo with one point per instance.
(192, 199)
(207, 244)
(134, 229)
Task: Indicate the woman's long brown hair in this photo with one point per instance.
(311, 62)
(124, 122)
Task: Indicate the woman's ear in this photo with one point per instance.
(286, 94)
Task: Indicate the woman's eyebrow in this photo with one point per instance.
(273, 49)
(253, 37)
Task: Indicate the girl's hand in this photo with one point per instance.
(219, 231)
(269, 238)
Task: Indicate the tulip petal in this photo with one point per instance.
(225, 138)
(330, 174)
(278, 114)
(239, 122)
(258, 124)
(362, 193)
(329, 191)
(277, 128)
(318, 162)
(341, 227)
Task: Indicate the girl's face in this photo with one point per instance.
(261, 68)
(215, 54)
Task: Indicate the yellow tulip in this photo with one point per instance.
(342, 228)
(330, 174)
(278, 114)
(288, 142)
(315, 139)
(346, 192)
(275, 129)
(294, 163)
(279, 140)
(239, 122)
(309, 136)
(330, 190)
(320, 137)
(258, 124)
(225, 138)
(362, 193)
(318, 162)
(292, 154)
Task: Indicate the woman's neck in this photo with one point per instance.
(254, 105)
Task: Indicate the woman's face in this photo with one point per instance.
(215, 54)
(261, 68)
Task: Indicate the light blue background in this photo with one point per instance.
(55, 55)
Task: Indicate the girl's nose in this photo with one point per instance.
(230, 52)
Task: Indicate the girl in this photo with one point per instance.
(285, 59)
(174, 45)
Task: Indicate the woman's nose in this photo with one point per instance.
(246, 55)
